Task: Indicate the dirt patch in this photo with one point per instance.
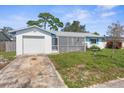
(3, 65)
(3, 62)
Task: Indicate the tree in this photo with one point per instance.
(32, 22)
(115, 31)
(74, 27)
(96, 33)
(46, 20)
(67, 27)
(6, 29)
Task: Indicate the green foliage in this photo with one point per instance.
(96, 33)
(94, 47)
(47, 20)
(8, 55)
(79, 69)
(31, 23)
(74, 27)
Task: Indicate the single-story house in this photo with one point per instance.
(34, 40)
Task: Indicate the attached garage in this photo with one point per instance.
(33, 44)
(33, 40)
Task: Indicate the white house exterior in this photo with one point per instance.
(34, 40)
(95, 40)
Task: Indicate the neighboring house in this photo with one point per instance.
(34, 40)
(6, 42)
(4, 36)
(91, 39)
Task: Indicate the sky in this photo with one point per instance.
(95, 17)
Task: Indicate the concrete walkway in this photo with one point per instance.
(30, 72)
(119, 83)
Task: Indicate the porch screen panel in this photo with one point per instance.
(68, 44)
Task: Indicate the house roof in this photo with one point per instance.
(13, 31)
(110, 38)
(61, 33)
(4, 36)
(76, 34)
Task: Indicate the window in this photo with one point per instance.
(54, 44)
(93, 41)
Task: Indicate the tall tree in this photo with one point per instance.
(47, 20)
(115, 31)
(74, 27)
(67, 27)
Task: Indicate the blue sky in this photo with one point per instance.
(96, 18)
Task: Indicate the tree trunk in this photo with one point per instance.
(45, 25)
(113, 49)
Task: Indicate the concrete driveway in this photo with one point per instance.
(30, 72)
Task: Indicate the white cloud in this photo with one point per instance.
(106, 7)
(77, 15)
(107, 14)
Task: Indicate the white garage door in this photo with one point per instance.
(33, 44)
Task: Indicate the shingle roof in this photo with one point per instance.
(4, 36)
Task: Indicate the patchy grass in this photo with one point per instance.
(83, 69)
(8, 55)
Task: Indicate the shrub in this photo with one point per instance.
(94, 47)
(109, 44)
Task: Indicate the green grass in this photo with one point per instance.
(84, 69)
(8, 55)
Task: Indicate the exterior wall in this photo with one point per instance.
(33, 32)
(123, 44)
(68, 44)
(100, 43)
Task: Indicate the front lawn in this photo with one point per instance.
(83, 69)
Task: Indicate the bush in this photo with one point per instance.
(94, 48)
(109, 44)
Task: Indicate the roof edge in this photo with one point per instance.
(34, 26)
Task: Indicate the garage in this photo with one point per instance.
(33, 44)
(32, 40)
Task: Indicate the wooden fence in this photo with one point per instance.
(7, 46)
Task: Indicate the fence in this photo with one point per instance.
(7, 46)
